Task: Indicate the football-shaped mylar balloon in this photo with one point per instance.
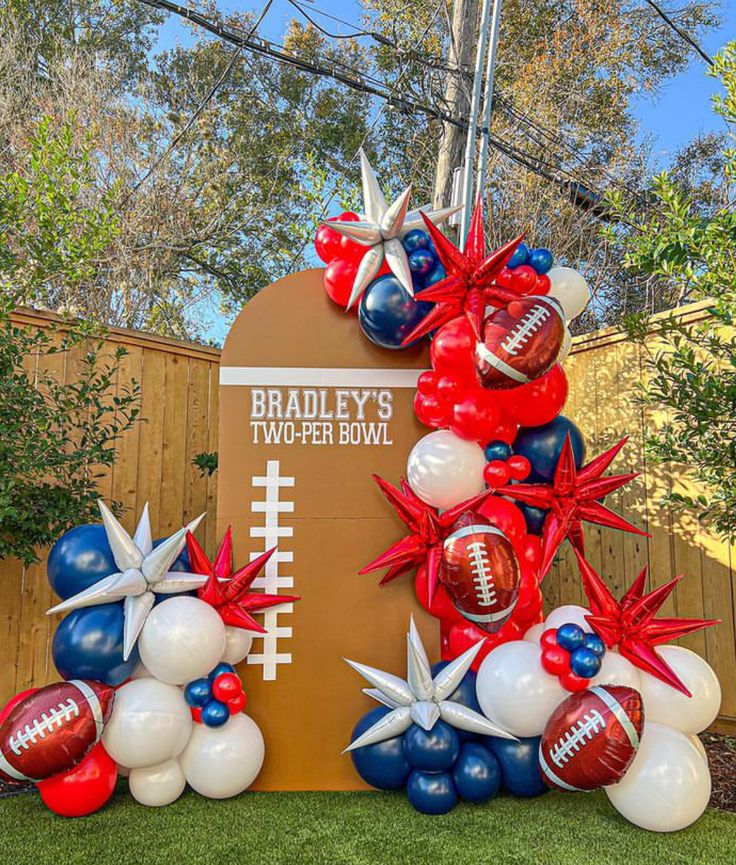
(592, 738)
(520, 343)
(480, 571)
(52, 729)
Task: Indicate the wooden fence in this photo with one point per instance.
(179, 407)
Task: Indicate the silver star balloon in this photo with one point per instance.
(143, 571)
(421, 699)
(381, 229)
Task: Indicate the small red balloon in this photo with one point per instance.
(227, 686)
(571, 682)
(519, 467)
(524, 279)
(346, 216)
(13, 702)
(504, 278)
(84, 789)
(548, 638)
(450, 388)
(196, 714)
(338, 279)
(427, 383)
(237, 703)
(496, 474)
(543, 284)
(531, 552)
(475, 417)
(453, 349)
(541, 400)
(505, 515)
(327, 243)
(430, 411)
(555, 660)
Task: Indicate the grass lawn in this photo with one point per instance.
(353, 828)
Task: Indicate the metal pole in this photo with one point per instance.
(485, 17)
(488, 97)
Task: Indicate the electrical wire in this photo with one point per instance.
(683, 34)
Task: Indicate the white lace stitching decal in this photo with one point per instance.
(525, 329)
(39, 727)
(577, 737)
(482, 577)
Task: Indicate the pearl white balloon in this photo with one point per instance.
(665, 705)
(514, 691)
(444, 469)
(535, 632)
(700, 746)
(150, 724)
(569, 613)
(667, 787)
(223, 761)
(237, 645)
(565, 347)
(616, 670)
(157, 785)
(183, 639)
(570, 288)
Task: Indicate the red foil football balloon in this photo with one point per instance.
(51, 730)
(520, 343)
(480, 571)
(591, 738)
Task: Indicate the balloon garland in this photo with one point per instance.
(592, 696)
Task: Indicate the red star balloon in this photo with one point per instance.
(630, 623)
(469, 285)
(573, 497)
(229, 593)
(427, 532)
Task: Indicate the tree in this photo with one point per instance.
(690, 249)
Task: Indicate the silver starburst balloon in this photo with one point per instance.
(421, 699)
(381, 229)
(143, 571)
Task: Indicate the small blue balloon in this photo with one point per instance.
(221, 668)
(520, 256)
(79, 559)
(498, 451)
(432, 750)
(542, 446)
(595, 644)
(422, 262)
(388, 313)
(534, 517)
(431, 792)
(383, 765)
(541, 259)
(585, 663)
(415, 239)
(435, 275)
(215, 714)
(570, 637)
(198, 692)
(519, 765)
(88, 644)
(477, 773)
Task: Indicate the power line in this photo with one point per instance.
(683, 34)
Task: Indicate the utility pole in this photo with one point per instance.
(488, 96)
(463, 31)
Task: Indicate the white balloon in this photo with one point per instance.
(535, 632)
(665, 705)
(223, 761)
(616, 670)
(700, 746)
(237, 645)
(157, 785)
(183, 639)
(565, 347)
(514, 691)
(667, 787)
(150, 724)
(444, 469)
(568, 613)
(570, 288)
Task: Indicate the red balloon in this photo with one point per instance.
(339, 277)
(573, 683)
(519, 467)
(346, 216)
(548, 638)
(351, 251)
(555, 660)
(430, 411)
(504, 278)
(524, 279)
(427, 383)
(496, 474)
(441, 607)
(196, 714)
(327, 243)
(543, 284)
(237, 704)
(13, 702)
(475, 417)
(451, 388)
(453, 349)
(506, 516)
(541, 400)
(531, 552)
(226, 687)
(84, 789)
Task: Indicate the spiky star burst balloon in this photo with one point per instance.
(421, 699)
(573, 497)
(143, 571)
(229, 593)
(469, 286)
(630, 624)
(381, 231)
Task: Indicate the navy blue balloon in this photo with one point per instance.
(498, 451)
(520, 256)
(88, 644)
(541, 259)
(570, 637)
(221, 668)
(432, 750)
(384, 764)
(215, 714)
(415, 239)
(585, 663)
(436, 275)
(422, 262)
(431, 792)
(465, 691)
(542, 446)
(198, 692)
(595, 644)
(519, 765)
(388, 313)
(477, 773)
(79, 559)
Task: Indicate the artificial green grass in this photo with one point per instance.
(353, 829)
